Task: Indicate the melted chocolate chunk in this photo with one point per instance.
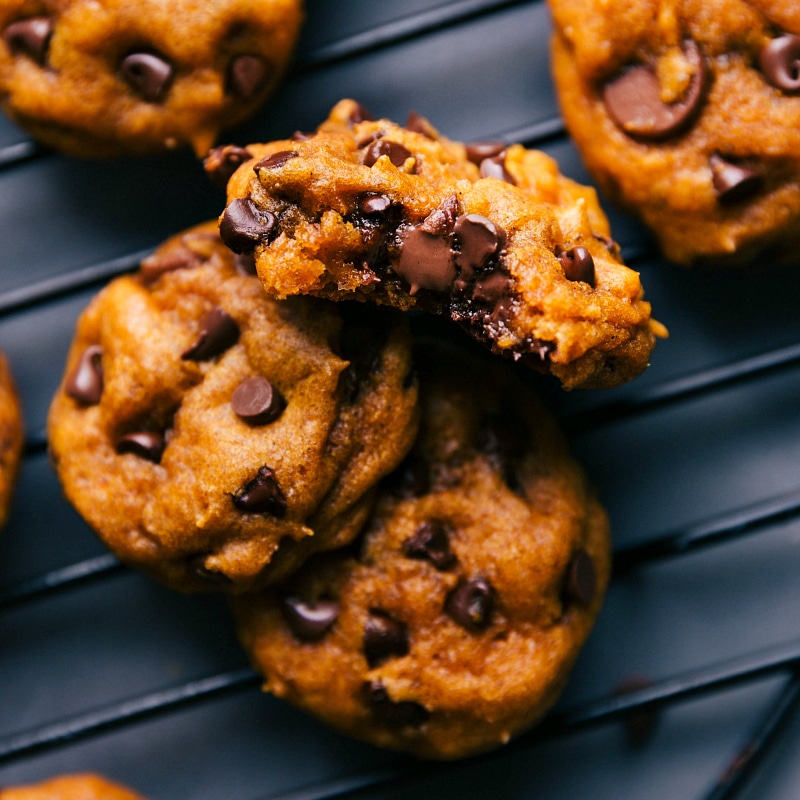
(633, 99)
(243, 225)
(395, 151)
(30, 37)
(471, 604)
(309, 620)
(733, 182)
(275, 160)
(360, 114)
(419, 124)
(581, 579)
(145, 444)
(374, 204)
(495, 167)
(85, 382)
(578, 265)
(426, 260)
(221, 162)
(148, 74)
(492, 288)
(384, 638)
(479, 240)
(385, 711)
(442, 219)
(431, 542)
(780, 62)
(477, 152)
(257, 401)
(262, 495)
(248, 76)
(218, 332)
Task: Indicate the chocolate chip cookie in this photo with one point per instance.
(70, 787)
(491, 236)
(11, 437)
(454, 624)
(688, 115)
(100, 78)
(216, 438)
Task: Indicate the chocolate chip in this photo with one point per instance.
(733, 182)
(85, 382)
(148, 74)
(374, 204)
(248, 76)
(385, 711)
(578, 265)
(262, 495)
(471, 604)
(418, 124)
(780, 62)
(395, 152)
(301, 136)
(156, 265)
(145, 444)
(431, 542)
(218, 332)
(309, 620)
(492, 288)
(360, 113)
(243, 225)
(479, 240)
(633, 99)
(275, 160)
(384, 638)
(496, 168)
(426, 260)
(581, 579)
(443, 218)
(221, 162)
(257, 401)
(30, 37)
(479, 151)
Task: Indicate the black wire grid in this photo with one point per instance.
(637, 403)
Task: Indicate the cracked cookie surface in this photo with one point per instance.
(216, 438)
(98, 78)
(687, 114)
(491, 236)
(453, 625)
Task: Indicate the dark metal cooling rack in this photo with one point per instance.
(725, 383)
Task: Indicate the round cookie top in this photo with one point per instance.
(99, 78)
(492, 237)
(70, 787)
(11, 437)
(688, 114)
(454, 625)
(216, 438)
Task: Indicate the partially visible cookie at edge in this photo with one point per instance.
(216, 438)
(101, 78)
(492, 237)
(11, 437)
(453, 626)
(687, 115)
(80, 786)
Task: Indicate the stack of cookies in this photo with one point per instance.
(410, 551)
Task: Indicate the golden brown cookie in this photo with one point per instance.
(99, 78)
(454, 625)
(216, 438)
(11, 437)
(70, 787)
(493, 237)
(687, 113)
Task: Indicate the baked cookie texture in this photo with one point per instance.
(491, 236)
(11, 437)
(100, 78)
(70, 787)
(687, 114)
(454, 623)
(216, 438)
